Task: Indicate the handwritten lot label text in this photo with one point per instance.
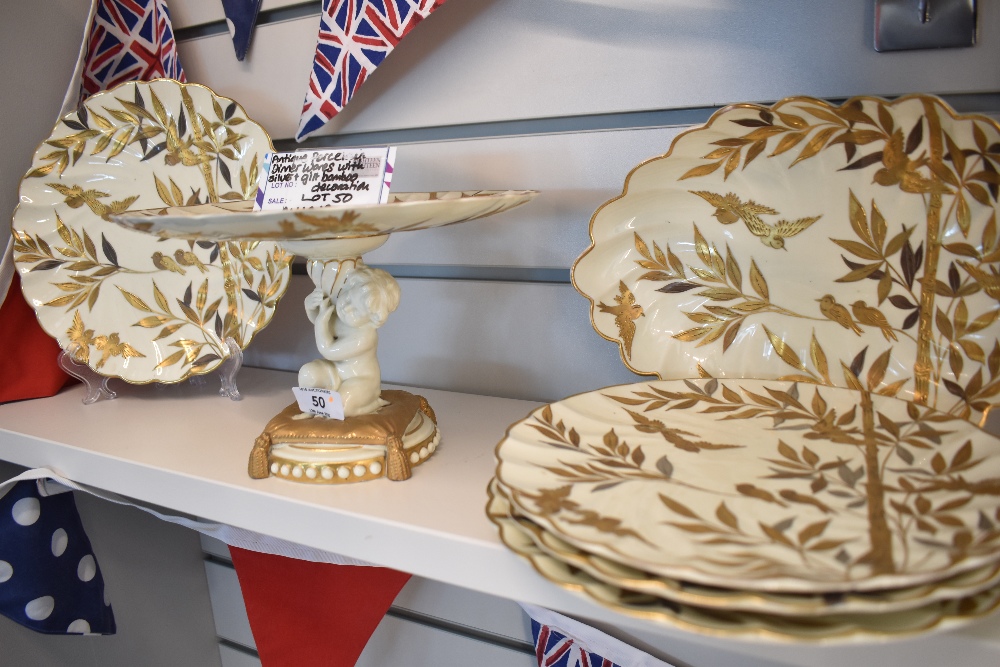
(307, 179)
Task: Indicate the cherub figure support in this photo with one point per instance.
(384, 434)
(350, 302)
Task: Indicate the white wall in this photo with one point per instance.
(39, 42)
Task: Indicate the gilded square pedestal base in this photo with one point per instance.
(317, 450)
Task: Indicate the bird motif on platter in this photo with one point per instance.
(165, 263)
(838, 313)
(899, 169)
(989, 281)
(188, 258)
(111, 346)
(872, 317)
(729, 208)
(81, 338)
(626, 312)
(76, 197)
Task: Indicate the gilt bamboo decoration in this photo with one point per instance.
(804, 237)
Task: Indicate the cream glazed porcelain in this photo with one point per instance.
(812, 242)
(759, 485)
(127, 304)
(405, 211)
(880, 601)
(829, 629)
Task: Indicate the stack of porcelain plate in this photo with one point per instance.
(757, 508)
(846, 257)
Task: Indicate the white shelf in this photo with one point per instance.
(184, 448)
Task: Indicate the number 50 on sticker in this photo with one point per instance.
(321, 402)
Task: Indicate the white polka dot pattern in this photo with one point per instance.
(26, 511)
(49, 578)
(40, 608)
(60, 540)
(79, 626)
(87, 568)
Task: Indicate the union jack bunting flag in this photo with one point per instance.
(554, 649)
(561, 641)
(129, 40)
(355, 36)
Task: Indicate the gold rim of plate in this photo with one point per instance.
(405, 211)
(128, 305)
(833, 629)
(628, 578)
(808, 240)
(759, 485)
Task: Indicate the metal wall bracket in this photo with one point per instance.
(902, 25)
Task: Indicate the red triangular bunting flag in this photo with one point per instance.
(28, 363)
(304, 613)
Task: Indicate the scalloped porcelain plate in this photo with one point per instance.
(405, 211)
(834, 628)
(760, 485)
(128, 304)
(807, 240)
(881, 601)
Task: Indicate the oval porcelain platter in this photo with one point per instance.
(881, 601)
(834, 628)
(128, 304)
(760, 485)
(405, 211)
(812, 242)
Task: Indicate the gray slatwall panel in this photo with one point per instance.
(517, 340)
(474, 62)
(575, 173)
(231, 622)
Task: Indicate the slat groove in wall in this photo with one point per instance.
(984, 103)
(461, 630)
(506, 274)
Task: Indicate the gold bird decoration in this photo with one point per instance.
(188, 258)
(111, 346)
(165, 263)
(76, 197)
(81, 337)
(899, 169)
(990, 282)
(837, 313)
(729, 208)
(872, 317)
(626, 313)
